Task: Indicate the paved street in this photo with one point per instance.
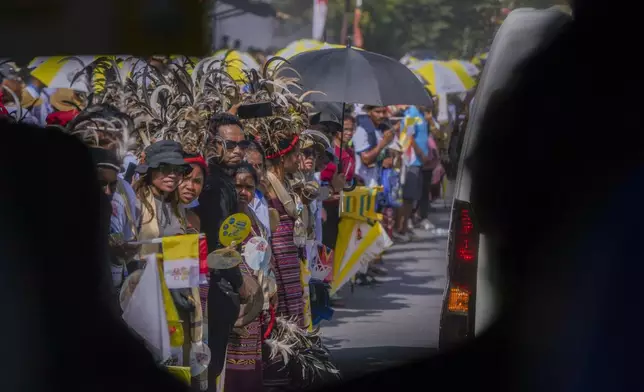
(396, 321)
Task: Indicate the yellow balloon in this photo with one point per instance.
(235, 228)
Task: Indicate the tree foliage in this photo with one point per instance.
(448, 28)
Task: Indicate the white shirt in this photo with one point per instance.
(370, 175)
(260, 208)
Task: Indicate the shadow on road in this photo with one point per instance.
(356, 362)
(392, 294)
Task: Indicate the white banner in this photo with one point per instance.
(320, 8)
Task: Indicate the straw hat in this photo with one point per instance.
(251, 298)
(27, 100)
(62, 97)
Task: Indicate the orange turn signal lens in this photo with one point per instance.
(459, 300)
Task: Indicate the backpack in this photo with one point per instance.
(392, 193)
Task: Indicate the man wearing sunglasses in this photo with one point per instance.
(218, 201)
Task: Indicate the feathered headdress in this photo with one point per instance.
(102, 121)
(279, 133)
(302, 350)
(177, 103)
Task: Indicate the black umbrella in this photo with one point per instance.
(350, 75)
(357, 76)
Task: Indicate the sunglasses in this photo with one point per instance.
(308, 152)
(230, 145)
(167, 170)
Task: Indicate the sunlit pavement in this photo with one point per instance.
(396, 321)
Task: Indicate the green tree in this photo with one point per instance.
(450, 28)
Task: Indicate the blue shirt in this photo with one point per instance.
(420, 133)
(119, 222)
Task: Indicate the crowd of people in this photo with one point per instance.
(174, 156)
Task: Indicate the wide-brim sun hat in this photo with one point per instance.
(164, 152)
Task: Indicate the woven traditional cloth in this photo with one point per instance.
(286, 265)
(244, 354)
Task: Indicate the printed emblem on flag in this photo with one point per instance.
(181, 261)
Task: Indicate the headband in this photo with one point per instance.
(3, 109)
(198, 160)
(286, 150)
(61, 118)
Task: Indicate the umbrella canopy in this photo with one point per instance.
(439, 78)
(468, 67)
(59, 71)
(462, 73)
(479, 60)
(357, 76)
(302, 46)
(184, 61)
(237, 62)
(299, 46)
(37, 61)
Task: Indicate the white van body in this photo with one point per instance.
(523, 31)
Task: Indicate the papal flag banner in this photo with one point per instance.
(361, 237)
(305, 278)
(181, 261)
(357, 245)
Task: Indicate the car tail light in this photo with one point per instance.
(459, 306)
(458, 300)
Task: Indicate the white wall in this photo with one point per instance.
(250, 29)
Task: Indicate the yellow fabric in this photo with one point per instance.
(181, 372)
(460, 70)
(56, 72)
(305, 277)
(409, 155)
(221, 378)
(361, 204)
(438, 76)
(343, 270)
(180, 247)
(172, 315)
(149, 227)
(236, 63)
(479, 59)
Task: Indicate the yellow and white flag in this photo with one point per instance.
(409, 155)
(305, 277)
(145, 311)
(361, 237)
(181, 261)
(357, 245)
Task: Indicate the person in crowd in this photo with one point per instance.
(430, 169)
(191, 186)
(161, 171)
(331, 206)
(244, 365)
(163, 215)
(371, 138)
(217, 201)
(189, 191)
(283, 242)
(90, 126)
(290, 234)
(259, 204)
(36, 96)
(11, 96)
(106, 165)
(413, 184)
(125, 219)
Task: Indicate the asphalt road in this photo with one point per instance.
(396, 321)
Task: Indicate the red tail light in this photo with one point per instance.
(457, 320)
(465, 237)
